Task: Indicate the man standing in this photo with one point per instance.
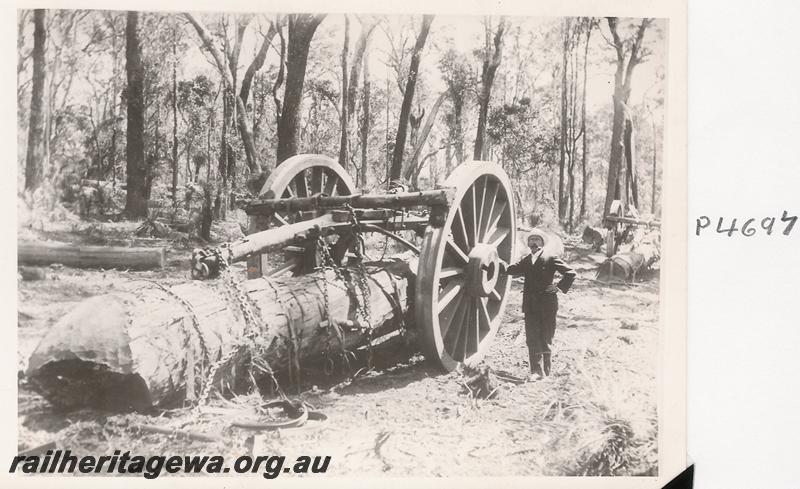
(539, 299)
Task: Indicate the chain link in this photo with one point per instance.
(365, 306)
(329, 264)
(252, 328)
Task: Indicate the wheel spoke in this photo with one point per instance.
(499, 236)
(479, 222)
(458, 251)
(473, 333)
(485, 319)
(447, 317)
(460, 350)
(448, 272)
(488, 210)
(316, 179)
(474, 217)
(301, 184)
(331, 184)
(454, 331)
(449, 293)
(460, 214)
(501, 207)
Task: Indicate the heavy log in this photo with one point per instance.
(641, 253)
(102, 184)
(41, 253)
(594, 237)
(149, 345)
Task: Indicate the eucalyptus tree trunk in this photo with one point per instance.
(491, 61)
(301, 30)
(135, 201)
(396, 170)
(629, 55)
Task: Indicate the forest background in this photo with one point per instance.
(152, 109)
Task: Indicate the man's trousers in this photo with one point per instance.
(540, 326)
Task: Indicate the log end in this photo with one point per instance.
(72, 384)
(85, 359)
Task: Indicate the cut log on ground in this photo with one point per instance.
(594, 237)
(40, 253)
(32, 273)
(152, 345)
(641, 253)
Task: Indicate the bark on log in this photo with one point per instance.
(30, 253)
(152, 345)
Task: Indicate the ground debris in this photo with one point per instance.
(478, 382)
(191, 435)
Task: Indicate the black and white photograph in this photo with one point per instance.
(279, 244)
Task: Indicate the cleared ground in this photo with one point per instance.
(596, 414)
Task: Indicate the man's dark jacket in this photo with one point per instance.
(539, 275)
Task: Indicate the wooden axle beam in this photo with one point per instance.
(206, 264)
(431, 198)
(629, 220)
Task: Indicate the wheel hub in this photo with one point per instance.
(483, 270)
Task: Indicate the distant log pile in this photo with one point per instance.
(152, 345)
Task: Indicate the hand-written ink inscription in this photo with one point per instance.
(750, 226)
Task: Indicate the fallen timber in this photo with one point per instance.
(39, 253)
(149, 345)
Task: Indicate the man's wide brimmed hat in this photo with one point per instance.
(540, 234)
(552, 243)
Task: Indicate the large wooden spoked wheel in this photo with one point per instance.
(303, 175)
(306, 175)
(460, 290)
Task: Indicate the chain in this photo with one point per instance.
(364, 307)
(329, 264)
(386, 239)
(252, 329)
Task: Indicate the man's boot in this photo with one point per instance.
(546, 363)
(535, 360)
